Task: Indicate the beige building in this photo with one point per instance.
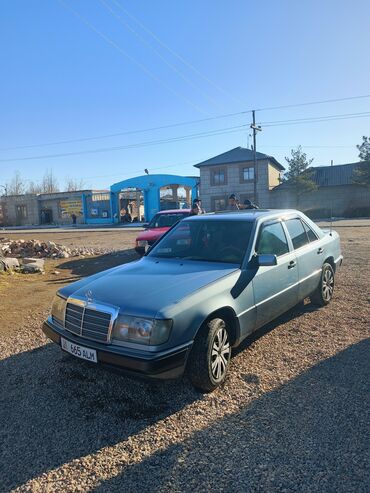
(233, 172)
(58, 208)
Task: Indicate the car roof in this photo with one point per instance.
(176, 211)
(243, 215)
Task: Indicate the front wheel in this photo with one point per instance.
(323, 294)
(209, 359)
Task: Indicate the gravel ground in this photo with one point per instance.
(292, 416)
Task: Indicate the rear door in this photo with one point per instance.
(309, 253)
(275, 287)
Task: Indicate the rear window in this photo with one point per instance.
(165, 220)
(297, 232)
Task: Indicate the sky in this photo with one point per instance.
(74, 70)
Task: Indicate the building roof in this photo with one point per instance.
(238, 155)
(330, 176)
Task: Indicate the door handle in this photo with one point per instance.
(292, 264)
(320, 251)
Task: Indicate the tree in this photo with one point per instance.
(34, 188)
(73, 184)
(364, 149)
(299, 176)
(361, 174)
(49, 182)
(17, 185)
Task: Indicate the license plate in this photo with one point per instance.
(79, 351)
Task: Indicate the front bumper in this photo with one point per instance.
(164, 365)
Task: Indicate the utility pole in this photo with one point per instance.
(255, 129)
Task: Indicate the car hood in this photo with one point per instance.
(151, 234)
(149, 285)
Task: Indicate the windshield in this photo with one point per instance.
(165, 220)
(210, 241)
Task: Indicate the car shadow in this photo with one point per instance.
(295, 312)
(88, 266)
(310, 434)
(54, 408)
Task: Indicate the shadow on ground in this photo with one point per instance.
(54, 408)
(311, 434)
(308, 435)
(88, 266)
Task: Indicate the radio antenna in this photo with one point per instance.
(331, 207)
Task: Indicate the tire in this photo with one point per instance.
(209, 359)
(323, 294)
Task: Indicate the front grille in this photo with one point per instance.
(86, 322)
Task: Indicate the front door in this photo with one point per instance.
(275, 287)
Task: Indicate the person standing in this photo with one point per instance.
(234, 204)
(197, 208)
(248, 204)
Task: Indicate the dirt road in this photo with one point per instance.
(292, 416)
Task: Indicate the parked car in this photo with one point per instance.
(205, 286)
(159, 225)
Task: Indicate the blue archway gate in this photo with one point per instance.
(150, 186)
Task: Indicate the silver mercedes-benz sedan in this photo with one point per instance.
(206, 285)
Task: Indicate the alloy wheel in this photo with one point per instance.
(327, 285)
(220, 355)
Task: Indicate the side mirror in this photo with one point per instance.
(266, 259)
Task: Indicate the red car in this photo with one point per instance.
(160, 223)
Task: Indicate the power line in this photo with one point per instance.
(175, 54)
(128, 132)
(336, 100)
(142, 67)
(133, 146)
(126, 25)
(328, 118)
(174, 125)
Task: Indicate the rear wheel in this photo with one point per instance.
(323, 294)
(209, 359)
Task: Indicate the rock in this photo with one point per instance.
(31, 269)
(10, 263)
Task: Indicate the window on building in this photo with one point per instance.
(246, 174)
(95, 197)
(21, 211)
(272, 240)
(219, 203)
(218, 176)
(297, 232)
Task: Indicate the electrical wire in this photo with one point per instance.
(127, 26)
(133, 146)
(142, 67)
(173, 125)
(177, 55)
(328, 118)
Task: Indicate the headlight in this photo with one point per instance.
(142, 243)
(141, 330)
(58, 309)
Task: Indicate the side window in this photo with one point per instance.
(311, 235)
(297, 232)
(272, 240)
